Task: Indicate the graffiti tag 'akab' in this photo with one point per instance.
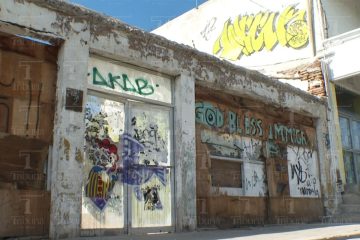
(251, 33)
(140, 86)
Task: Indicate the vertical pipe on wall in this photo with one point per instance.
(310, 19)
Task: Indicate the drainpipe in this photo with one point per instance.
(310, 19)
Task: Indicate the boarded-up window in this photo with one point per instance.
(226, 173)
(27, 101)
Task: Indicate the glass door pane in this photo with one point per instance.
(357, 166)
(349, 167)
(355, 132)
(345, 132)
(103, 191)
(147, 151)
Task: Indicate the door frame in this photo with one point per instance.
(128, 100)
(158, 229)
(351, 117)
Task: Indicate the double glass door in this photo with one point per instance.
(128, 178)
(350, 136)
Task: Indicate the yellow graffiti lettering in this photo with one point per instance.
(270, 38)
(252, 33)
(240, 25)
(226, 42)
(247, 23)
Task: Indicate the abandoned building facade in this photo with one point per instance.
(107, 130)
(308, 44)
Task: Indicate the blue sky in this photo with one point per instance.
(145, 14)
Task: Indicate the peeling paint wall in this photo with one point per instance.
(81, 32)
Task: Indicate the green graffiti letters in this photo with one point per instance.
(206, 114)
(253, 126)
(139, 85)
(286, 134)
(234, 123)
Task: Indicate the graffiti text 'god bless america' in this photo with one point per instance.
(207, 114)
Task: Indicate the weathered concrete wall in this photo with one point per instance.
(185, 197)
(82, 32)
(68, 140)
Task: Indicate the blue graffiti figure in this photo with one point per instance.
(138, 174)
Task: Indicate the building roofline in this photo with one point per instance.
(81, 13)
